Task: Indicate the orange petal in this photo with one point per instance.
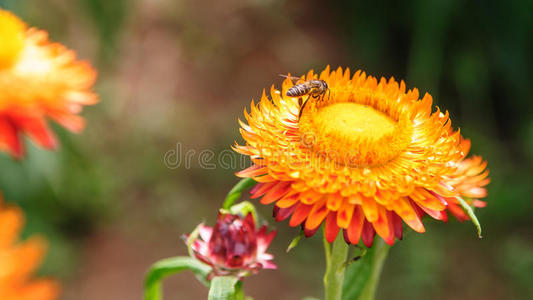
(408, 214)
(370, 208)
(344, 215)
(276, 192)
(309, 197)
(356, 225)
(334, 201)
(288, 200)
(382, 226)
(425, 198)
(252, 171)
(317, 215)
(300, 214)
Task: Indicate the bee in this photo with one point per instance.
(314, 89)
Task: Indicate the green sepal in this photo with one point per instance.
(225, 288)
(169, 266)
(295, 241)
(242, 208)
(191, 238)
(470, 212)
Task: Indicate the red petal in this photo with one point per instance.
(261, 188)
(283, 213)
(398, 226)
(332, 229)
(309, 232)
(37, 129)
(479, 203)
(368, 234)
(9, 139)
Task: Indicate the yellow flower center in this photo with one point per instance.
(355, 120)
(12, 31)
(354, 134)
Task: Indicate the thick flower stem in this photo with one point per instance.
(380, 254)
(335, 260)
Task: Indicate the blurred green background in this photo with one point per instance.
(181, 72)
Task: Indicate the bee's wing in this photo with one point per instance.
(294, 79)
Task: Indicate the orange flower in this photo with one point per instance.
(363, 158)
(19, 260)
(38, 80)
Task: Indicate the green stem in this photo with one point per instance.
(237, 190)
(335, 260)
(378, 260)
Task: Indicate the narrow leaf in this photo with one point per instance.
(356, 275)
(295, 241)
(236, 192)
(169, 266)
(223, 288)
(470, 212)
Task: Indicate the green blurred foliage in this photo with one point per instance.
(182, 71)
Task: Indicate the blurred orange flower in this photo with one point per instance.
(363, 158)
(38, 80)
(19, 260)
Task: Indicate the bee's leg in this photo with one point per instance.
(302, 106)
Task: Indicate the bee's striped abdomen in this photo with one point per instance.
(298, 90)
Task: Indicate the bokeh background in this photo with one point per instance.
(181, 72)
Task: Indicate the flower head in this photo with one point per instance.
(234, 246)
(361, 158)
(18, 260)
(38, 80)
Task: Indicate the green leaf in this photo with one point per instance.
(470, 212)
(237, 190)
(169, 266)
(225, 288)
(295, 241)
(362, 276)
(356, 275)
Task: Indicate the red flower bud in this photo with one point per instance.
(234, 246)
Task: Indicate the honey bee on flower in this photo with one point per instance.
(379, 158)
(313, 89)
(39, 80)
